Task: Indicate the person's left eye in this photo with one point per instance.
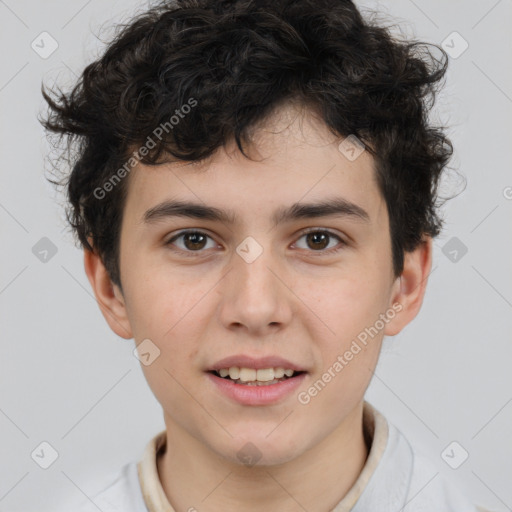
(194, 241)
(321, 238)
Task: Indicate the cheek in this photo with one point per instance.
(159, 301)
(344, 304)
(172, 311)
(347, 344)
(168, 311)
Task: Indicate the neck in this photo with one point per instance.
(194, 477)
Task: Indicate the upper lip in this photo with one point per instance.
(258, 363)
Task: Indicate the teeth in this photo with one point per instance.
(251, 375)
(258, 383)
(247, 374)
(265, 375)
(234, 372)
(278, 373)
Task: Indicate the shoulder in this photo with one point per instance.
(426, 489)
(119, 492)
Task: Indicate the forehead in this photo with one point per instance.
(293, 158)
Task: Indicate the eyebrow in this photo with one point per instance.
(331, 207)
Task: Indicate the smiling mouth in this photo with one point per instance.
(252, 377)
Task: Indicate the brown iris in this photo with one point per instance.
(318, 238)
(194, 240)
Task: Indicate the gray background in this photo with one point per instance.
(68, 380)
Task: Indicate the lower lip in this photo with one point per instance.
(257, 395)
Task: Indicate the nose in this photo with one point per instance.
(255, 295)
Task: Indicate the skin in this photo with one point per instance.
(294, 301)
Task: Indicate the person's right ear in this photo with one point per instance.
(108, 295)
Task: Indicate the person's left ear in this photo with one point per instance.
(409, 288)
(108, 295)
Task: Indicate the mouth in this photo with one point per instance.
(257, 381)
(252, 377)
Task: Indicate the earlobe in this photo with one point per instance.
(409, 289)
(108, 295)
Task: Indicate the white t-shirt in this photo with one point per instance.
(394, 478)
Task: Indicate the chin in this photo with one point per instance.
(258, 450)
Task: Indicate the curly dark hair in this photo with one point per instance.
(238, 60)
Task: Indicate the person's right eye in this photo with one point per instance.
(192, 241)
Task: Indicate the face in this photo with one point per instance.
(304, 291)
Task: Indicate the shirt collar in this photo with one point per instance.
(376, 433)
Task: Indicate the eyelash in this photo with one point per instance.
(308, 231)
